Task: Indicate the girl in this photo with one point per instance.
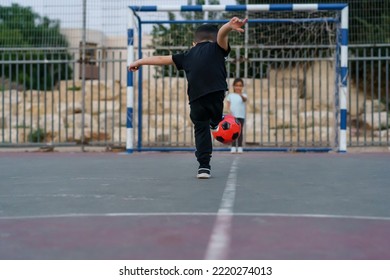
(236, 106)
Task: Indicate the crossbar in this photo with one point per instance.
(230, 8)
(264, 21)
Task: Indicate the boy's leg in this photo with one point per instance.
(215, 107)
(201, 120)
(205, 112)
(203, 143)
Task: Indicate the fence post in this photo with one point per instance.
(130, 85)
(83, 73)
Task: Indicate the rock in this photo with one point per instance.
(377, 120)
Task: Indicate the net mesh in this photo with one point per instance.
(287, 60)
(298, 35)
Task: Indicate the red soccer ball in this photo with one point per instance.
(228, 130)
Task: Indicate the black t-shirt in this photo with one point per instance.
(205, 68)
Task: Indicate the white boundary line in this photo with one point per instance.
(219, 244)
(193, 214)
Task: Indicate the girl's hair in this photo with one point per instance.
(237, 80)
(206, 32)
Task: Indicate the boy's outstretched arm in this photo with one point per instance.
(234, 24)
(151, 60)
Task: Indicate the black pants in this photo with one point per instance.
(205, 112)
(238, 141)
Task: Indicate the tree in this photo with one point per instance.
(363, 27)
(166, 38)
(26, 36)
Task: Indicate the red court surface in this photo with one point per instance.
(187, 237)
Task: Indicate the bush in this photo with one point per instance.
(36, 136)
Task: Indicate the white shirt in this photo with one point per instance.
(237, 106)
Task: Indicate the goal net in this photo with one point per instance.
(293, 59)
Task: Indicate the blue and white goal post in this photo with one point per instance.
(339, 18)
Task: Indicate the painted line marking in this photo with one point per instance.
(193, 214)
(219, 244)
(77, 196)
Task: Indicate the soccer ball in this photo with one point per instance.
(228, 130)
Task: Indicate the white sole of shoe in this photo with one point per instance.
(203, 176)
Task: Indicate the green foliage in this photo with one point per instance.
(74, 88)
(374, 72)
(36, 136)
(181, 34)
(35, 38)
(369, 23)
(178, 35)
(369, 20)
(40, 74)
(366, 28)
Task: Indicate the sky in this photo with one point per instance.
(104, 15)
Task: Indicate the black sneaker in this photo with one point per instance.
(203, 173)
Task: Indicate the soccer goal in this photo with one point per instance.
(293, 57)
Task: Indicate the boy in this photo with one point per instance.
(205, 69)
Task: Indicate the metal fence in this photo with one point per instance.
(369, 96)
(292, 106)
(46, 97)
(283, 109)
(62, 109)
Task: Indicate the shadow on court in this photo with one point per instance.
(151, 206)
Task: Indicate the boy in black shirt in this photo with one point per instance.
(204, 65)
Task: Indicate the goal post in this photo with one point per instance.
(135, 22)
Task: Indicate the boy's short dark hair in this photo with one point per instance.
(206, 32)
